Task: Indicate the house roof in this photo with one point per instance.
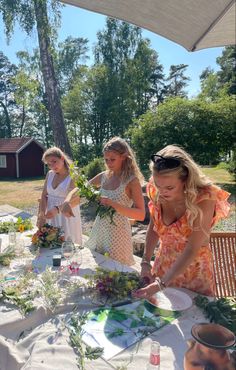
(15, 144)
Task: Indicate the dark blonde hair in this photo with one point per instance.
(129, 165)
(56, 152)
(190, 173)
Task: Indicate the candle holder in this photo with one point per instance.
(210, 348)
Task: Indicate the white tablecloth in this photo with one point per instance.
(45, 343)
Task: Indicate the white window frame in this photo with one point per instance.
(3, 161)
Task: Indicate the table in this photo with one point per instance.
(44, 344)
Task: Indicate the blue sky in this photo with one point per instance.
(81, 23)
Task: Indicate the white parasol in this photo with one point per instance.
(194, 24)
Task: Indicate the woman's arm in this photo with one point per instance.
(42, 205)
(73, 199)
(96, 180)
(137, 212)
(198, 238)
(150, 245)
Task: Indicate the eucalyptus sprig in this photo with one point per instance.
(91, 194)
(50, 290)
(76, 332)
(20, 294)
(7, 256)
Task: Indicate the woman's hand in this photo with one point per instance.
(147, 292)
(51, 213)
(41, 221)
(66, 210)
(146, 272)
(107, 202)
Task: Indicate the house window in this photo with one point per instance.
(3, 161)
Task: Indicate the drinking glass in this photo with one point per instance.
(67, 250)
(76, 261)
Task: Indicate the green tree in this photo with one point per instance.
(69, 57)
(177, 80)
(134, 76)
(30, 13)
(204, 129)
(227, 72)
(38, 122)
(25, 92)
(7, 88)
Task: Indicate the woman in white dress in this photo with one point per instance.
(53, 209)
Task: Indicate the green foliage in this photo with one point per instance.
(206, 130)
(20, 225)
(115, 285)
(227, 72)
(7, 256)
(221, 311)
(20, 293)
(93, 168)
(76, 332)
(90, 193)
(178, 80)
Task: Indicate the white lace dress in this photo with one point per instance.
(113, 238)
(70, 225)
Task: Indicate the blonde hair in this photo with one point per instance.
(56, 152)
(129, 165)
(190, 173)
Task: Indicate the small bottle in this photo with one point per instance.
(154, 359)
(11, 234)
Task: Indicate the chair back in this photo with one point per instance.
(223, 246)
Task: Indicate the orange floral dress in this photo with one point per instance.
(198, 276)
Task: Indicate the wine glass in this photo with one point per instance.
(75, 262)
(67, 250)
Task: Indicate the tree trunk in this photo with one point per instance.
(50, 82)
(8, 121)
(22, 121)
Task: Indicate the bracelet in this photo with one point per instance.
(57, 208)
(160, 282)
(145, 263)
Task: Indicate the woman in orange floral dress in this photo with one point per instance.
(184, 206)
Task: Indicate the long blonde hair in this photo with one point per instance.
(56, 152)
(190, 173)
(129, 165)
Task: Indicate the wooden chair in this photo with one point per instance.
(223, 246)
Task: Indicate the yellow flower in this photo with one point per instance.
(21, 228)
(129, 284)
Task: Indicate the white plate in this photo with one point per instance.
(171, 299)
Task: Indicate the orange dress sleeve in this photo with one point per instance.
(222, 206)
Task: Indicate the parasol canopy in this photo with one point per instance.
(194, 24)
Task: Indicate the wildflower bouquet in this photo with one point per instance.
(115, 285)
(48, 237)
(87, 191)
(20, 225)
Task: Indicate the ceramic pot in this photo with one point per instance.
(209, 349)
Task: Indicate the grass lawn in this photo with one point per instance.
(21, 193)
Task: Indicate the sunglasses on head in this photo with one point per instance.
(165, 163)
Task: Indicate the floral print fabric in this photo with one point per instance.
(199, 275)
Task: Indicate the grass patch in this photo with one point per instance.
(218, 175)
(21, 193)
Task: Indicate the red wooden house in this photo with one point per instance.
(21, 157)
